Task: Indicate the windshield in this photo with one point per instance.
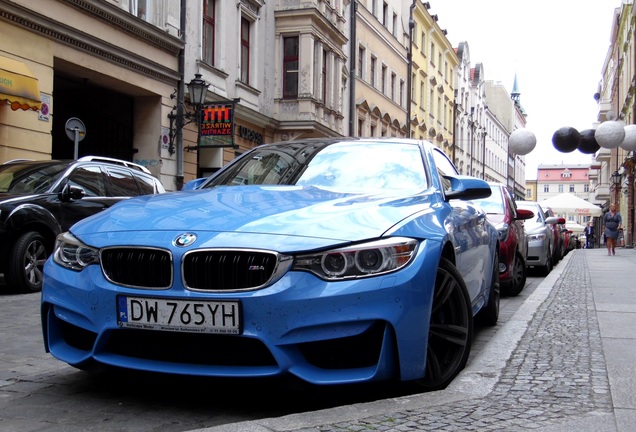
(494, 203)
(28, 178)
(339, 166)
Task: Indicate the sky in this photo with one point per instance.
(556, 48)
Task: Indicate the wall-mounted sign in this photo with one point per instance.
(217, 125)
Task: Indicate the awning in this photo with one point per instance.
(18, 85)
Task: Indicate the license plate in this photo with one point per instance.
(220, 317)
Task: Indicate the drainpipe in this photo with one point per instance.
(409, 61)
(180, 99)
(352, 69)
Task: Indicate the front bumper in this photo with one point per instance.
(323, 332)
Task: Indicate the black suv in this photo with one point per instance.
(41, 199)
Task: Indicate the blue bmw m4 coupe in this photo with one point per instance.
(335, 260)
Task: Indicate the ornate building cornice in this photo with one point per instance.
(119, 19)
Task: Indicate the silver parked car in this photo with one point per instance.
(540, 238)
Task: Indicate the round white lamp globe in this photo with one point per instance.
(610, 134)
(522, 141)
(629, 143)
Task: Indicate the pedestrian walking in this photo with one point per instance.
(613, 223)
(589, 235)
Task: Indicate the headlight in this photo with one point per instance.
(72, 253)
(367, 259)
(536, 237)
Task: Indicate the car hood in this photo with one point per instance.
(263, 212)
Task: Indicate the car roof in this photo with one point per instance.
(68, 162)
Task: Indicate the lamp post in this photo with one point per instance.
(179, 117)
(616, 181)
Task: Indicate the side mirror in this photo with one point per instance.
(523, 214)
(467, 188)
(71, 193)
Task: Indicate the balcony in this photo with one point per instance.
(603, 155)
(602, 193)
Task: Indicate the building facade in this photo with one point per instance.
(616, 98)
(433, 81)
(381, 69)
(111, 65)
(273, 70)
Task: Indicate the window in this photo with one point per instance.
(290, 67)
(122, 183)
(413, 84)
(432, 52)
(401, 93)
(586, 188)
(385, 14)
(142, 9)
(423, 45)
(90, 179)
(372, 71)
(324, 76)
(560, 188)
(546, 188)
(383, 79)
(395, 25)
(209, 24)
(245, 51)
(393, 87)
(361, 54)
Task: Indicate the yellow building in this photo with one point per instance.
(434, 62)
(380, 88)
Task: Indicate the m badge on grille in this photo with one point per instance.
(184, 240)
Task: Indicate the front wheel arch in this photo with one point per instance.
(451, 328)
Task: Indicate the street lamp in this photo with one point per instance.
(179, 117)
(616, 178)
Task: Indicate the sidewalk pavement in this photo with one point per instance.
(564, 362)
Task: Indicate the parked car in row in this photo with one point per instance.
(541, 239)
(41, 199)
(513, 250)
(337, 260)
(559, 235)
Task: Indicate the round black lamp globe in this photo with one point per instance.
(566, 139)
(588, 144)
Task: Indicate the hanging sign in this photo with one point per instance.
(217, 125)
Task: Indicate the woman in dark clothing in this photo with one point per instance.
(613, 222)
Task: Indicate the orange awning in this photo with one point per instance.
(18, 85)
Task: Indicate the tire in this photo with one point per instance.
(26, 263)
(489, 314)
(547, 268)
(451, 329)
(519, 274)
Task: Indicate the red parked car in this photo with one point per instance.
(503, 213)
(559, 236)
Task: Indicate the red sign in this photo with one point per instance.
(217, 120)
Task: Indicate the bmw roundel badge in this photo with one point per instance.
(184, 240)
